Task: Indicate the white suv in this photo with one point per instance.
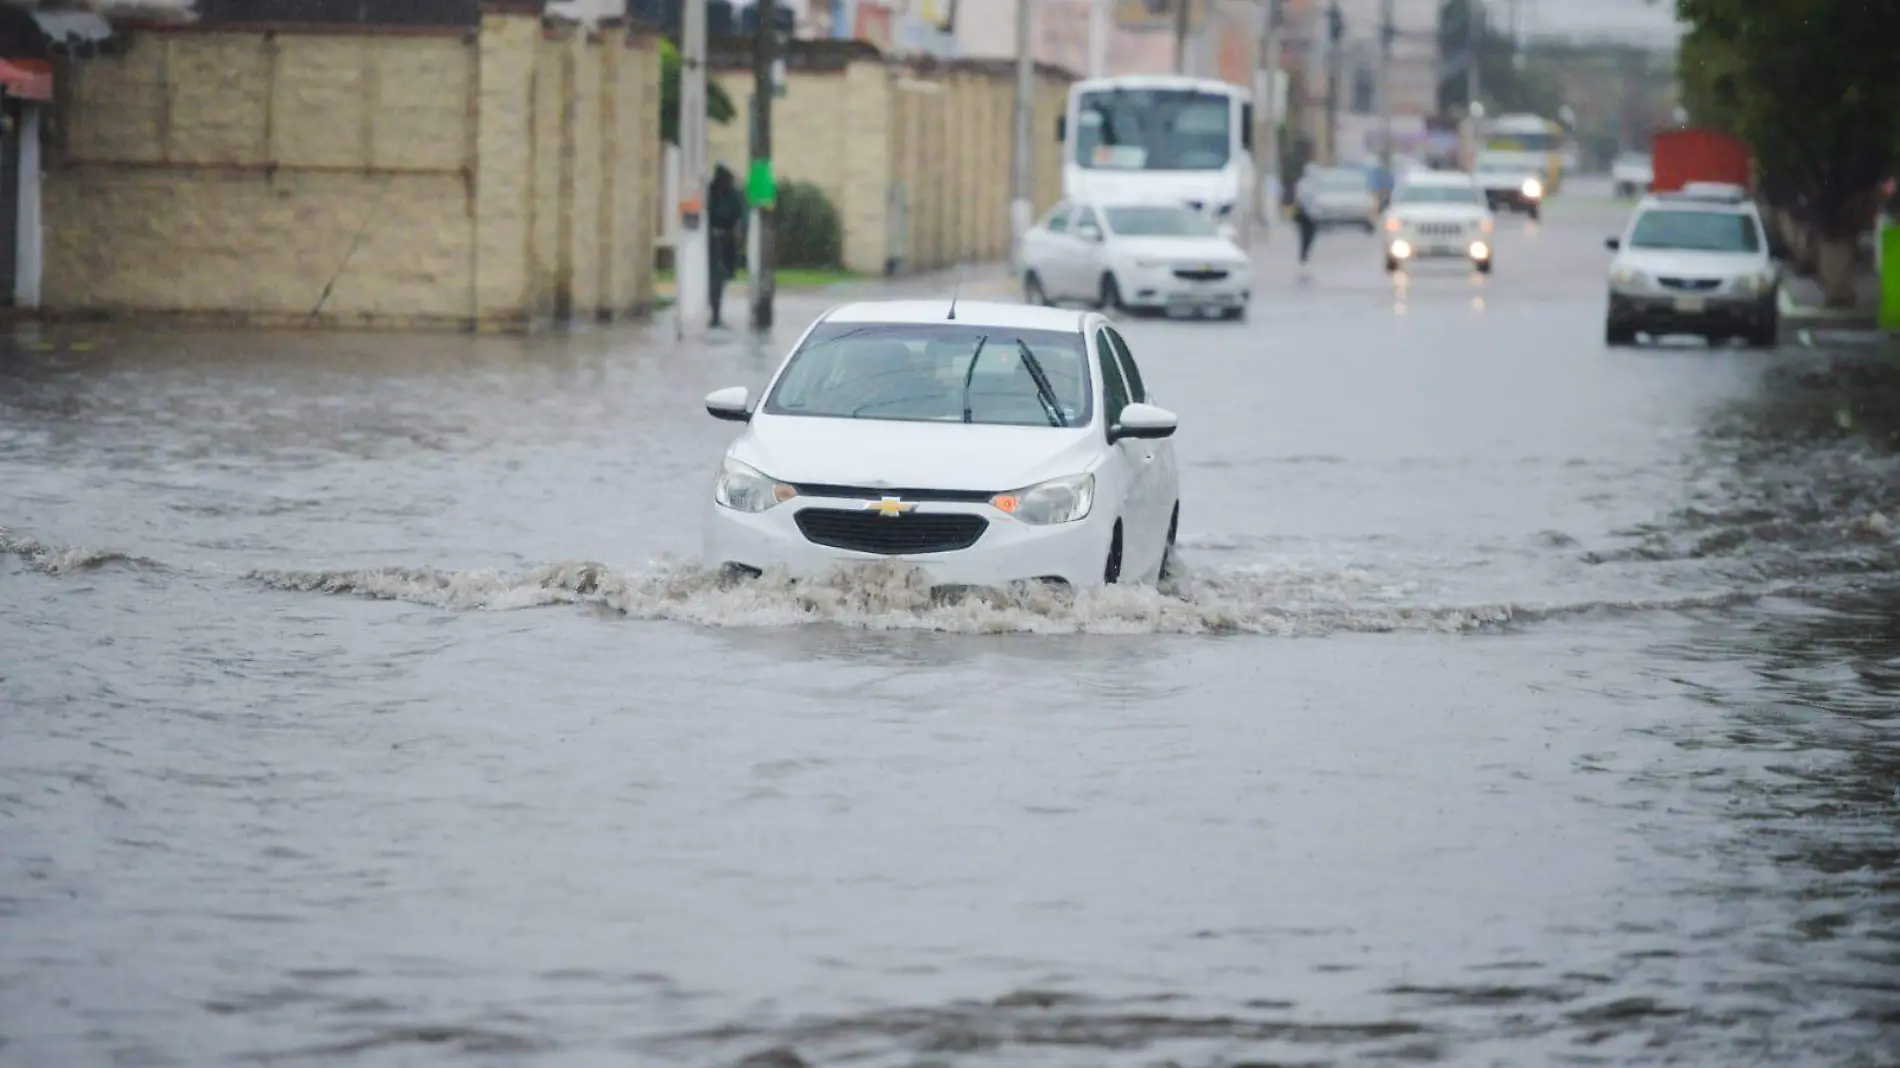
(1438, 214)
(1694, 262)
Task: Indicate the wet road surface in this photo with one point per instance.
(1525, 702)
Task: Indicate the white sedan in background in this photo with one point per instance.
(1137, 258)
(1439, 215)
(984, 443)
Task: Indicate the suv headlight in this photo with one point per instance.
(743, 489)
(1059, 500)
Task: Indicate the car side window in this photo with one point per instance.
(1137, 392)
(1057, 221)
(1114, 390)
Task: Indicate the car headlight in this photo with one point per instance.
(743, 489)
(1533, 188)
(1623, 276)
(1059, 500)
(1761, 282)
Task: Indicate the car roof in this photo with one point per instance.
(1714, 202)
(1008, 316)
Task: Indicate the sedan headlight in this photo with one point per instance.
(1059, 500)
(1758, 283)
(1623, 276)
(743, 489)
(1533, 188)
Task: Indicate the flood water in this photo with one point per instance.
(1524, 702)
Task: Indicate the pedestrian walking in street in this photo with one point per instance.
(725, 212)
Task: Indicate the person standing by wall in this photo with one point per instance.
(725, 212)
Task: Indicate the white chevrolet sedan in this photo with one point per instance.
(1135, 257)
(985, 443)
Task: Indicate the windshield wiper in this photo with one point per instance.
(969, 374)
(1044, 391)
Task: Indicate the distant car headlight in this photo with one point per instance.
(1059, 500)
(1533, 188)
(743, 489)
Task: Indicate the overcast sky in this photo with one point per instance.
(1626, 19)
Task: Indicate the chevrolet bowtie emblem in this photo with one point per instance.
(890, 507)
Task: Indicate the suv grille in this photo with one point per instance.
(1693, 284)
(869, 532)
(1439, 229)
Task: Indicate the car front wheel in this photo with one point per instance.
(1110, 298)
(1112, 569)
(1615, 333)
(1033, 293)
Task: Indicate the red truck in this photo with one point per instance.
(1694, 154)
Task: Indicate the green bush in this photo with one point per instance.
(810, 233)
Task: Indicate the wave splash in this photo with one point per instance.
(1258, 600)
(62, 559)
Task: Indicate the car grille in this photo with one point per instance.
(1694, 285)
(1195, 274)
(1439, 229)
(874, 493)
(870, 532)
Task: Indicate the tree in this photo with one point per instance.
(719, 107)
(1506, 87)
(1813, 87)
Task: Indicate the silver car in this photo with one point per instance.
(1339, 196)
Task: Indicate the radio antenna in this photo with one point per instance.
(956, 289)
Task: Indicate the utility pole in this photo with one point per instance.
(1098, 38)
(1386, 33)
(759, 182)
(1181, 35)
(1266, 135)
(691, 261)
(1335, 35)
(1022, 171)
(1474, 19)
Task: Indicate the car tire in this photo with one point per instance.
(1033, 293)
(1536, 213)
(1616, 334)
(1110, 296)
(1391, 265)
(1767, 335)
(1112, 568)
(1483, 265)
(1169, 568)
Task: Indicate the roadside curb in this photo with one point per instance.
(1856, 317)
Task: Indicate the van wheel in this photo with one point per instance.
(1112, 571)
(1033, 292)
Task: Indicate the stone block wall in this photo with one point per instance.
(916, 157)
(357, 176)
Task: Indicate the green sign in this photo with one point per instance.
(760, 188)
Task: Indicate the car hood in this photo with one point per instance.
(1178, 249)
(942, 456)
(1438, 213)
(1690, 263)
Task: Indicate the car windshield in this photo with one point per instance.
(917, 372)
(1154, 130)
(1345, 181)
(1507, 168)
(1698, 231)
(1436, 194)
(1158, 222)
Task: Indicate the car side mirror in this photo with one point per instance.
(1612, 244)
(1143, 421)
(730, 404)
(1088, 233)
